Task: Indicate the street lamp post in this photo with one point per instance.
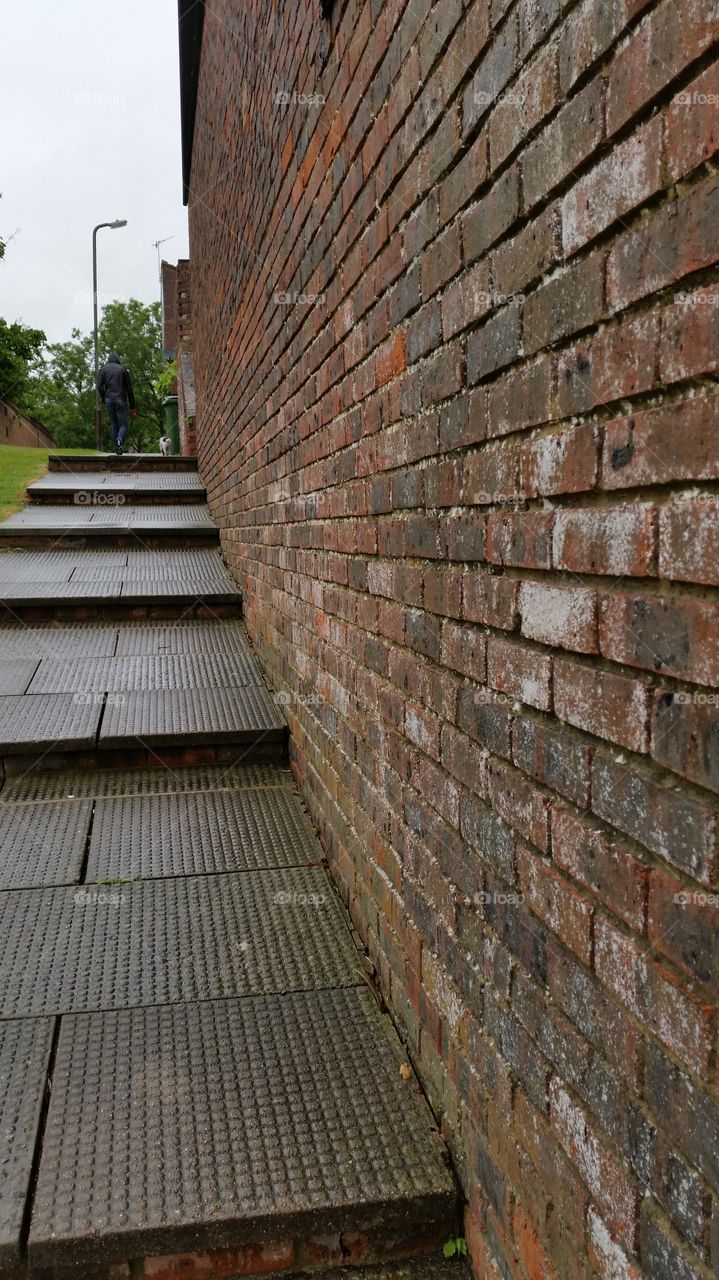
(119, 222)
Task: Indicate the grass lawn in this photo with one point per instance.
(18, 468)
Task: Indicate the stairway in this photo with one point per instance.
(196, 1077)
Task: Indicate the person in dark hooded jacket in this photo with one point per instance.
(115, 386)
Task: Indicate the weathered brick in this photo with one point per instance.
(561, 462)
(561, 616)
(520, 538)
(666, 1007)
(486, 221)
(614, 875)
(659, 446)
(491, 599)
(561, 147)
(692, 124)
(553, 756)
(679, 637)
(520, 673)
(520, 804)
(568, 302)
(664, 43)
(603, 703)
(685, 731)
(683, 923)
(520, 398)
(688, 337)
(589, 33)
(628, 176)
(602, 1174)
(689, 540)
(496, 344)
(617, 540)
(671, 242)
(619, 361)
(552, 897)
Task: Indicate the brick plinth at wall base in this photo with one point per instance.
(313, 1254)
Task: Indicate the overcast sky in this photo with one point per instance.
(89, 105)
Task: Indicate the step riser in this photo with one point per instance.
(178, 609)
(105, 538)
(264, 751)
(128, 462)
(312, 1245)
(139, 497)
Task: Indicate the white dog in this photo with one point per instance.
(165, 446)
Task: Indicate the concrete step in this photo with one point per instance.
(128, 462)
(168, 692)
(197, 1078)
(122, 524)
(110, 489)
(115, 583)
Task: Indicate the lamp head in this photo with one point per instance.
(119, 222)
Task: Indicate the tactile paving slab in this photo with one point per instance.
(42, 592)
(140, 782)
(74, 516)
(145, 837)
(221, 590)
(28, 722)
(145, 671)
(88, 947)
(89, 480)
(16, 674)
(192, 715)
(24, 1057)
(82, 639)
(44, 565)
(181, 637)
(204, 1124)
(43, 844)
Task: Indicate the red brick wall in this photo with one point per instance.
(455, 318)
(16, 428)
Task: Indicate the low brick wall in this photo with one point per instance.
(16, 428)
(455, 319)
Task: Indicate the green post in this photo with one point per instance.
(172, 421)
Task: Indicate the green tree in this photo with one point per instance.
(61, 392)
(19, 348)
(63, 387)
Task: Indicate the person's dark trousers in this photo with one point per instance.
(117, 413)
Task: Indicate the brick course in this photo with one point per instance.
(455, 302)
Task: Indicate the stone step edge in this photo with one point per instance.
(127, 462)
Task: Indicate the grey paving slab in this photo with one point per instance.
(148, 671)
(192, 715)
(24, 1057)
(139, 782)
(147, 837)
(186, 481)
(182, 637)
(181, 588)
(53, 720)
(80, 639)
(94, 574)
(264, 1111)
(41, 592)
(58, 563)
(43, 844)
(194, 561)
(92, 947)
(25, 566)
(76, 517)
(16, 674)
(169, 517)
